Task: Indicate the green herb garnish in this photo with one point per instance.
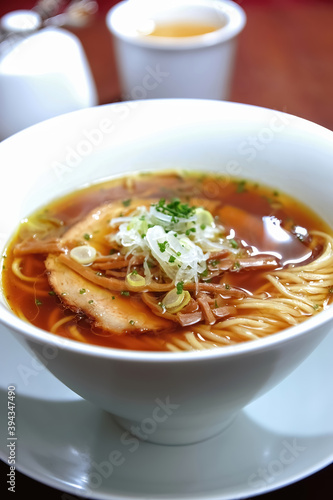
(240, 187)
(175, 209)
(162, 246)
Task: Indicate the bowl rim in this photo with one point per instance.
(236, 21)
(37, 335)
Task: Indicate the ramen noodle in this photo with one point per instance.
(169, 261)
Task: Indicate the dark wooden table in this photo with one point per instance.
(284, 62)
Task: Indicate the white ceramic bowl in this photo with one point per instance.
(175, 67)
(168, 397)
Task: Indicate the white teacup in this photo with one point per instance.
(175, 62)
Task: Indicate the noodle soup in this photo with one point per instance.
(169, 261)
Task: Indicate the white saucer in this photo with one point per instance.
(67, 443)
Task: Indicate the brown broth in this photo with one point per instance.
(36, 302)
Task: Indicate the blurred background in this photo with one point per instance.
(284, 62)
(284, 58)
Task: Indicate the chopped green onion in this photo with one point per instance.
(162, 246)
(179, 287)
(175, 209)
(83, 254)
(204, 273)
(174, 302)
(240, 187)
(134, 279)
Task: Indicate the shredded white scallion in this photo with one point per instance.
(180, 245)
